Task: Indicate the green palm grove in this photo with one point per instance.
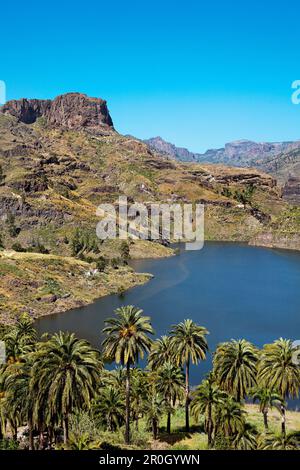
(58, 389)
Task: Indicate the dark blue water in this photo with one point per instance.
(235, 291)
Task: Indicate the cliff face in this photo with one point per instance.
(55, 171)
(71, 111)
(27, 111)
(291, 190)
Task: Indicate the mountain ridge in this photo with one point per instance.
(281, 159)
(55, 172)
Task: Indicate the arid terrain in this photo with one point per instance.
(60, 159)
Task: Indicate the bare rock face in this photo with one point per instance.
(26, 111)
(291, 190)
(75, 110)
(72, 111)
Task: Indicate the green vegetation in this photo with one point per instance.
(45, 283)
(56, 393)
(127, 341)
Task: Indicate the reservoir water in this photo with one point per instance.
(235, 291)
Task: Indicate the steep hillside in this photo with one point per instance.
(60, 159)
(281, 159)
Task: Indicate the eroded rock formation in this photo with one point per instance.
(71, 110)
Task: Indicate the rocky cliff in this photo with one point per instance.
(71, 111)
(60, 159)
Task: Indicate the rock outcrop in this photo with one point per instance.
(291, 190)
(157, 144)
(288, 241)
(71, 111)
(26, 111)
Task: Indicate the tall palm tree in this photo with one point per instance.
(170, 383)
(66, 372)
(234, 365)
(205, 401)
(127, 340)
(267, 398)
(160, 352)
(109, 407)
(277, 369)
(188, 344)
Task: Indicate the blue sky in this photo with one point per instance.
(198, 73)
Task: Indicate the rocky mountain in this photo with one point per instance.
(247, 153)
(281, 159)
(157, 144)
(60, 159)
(72, 111)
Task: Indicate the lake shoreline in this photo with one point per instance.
(174, 247)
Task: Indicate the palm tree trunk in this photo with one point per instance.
(50, 435)
(266, 424)
(15, 432)
(127, 431)
(187, 395)
(30, 438)
(66, 428)
(41, 439)
(209, 426)
(283, 421)
(169, 423)
(154, 429)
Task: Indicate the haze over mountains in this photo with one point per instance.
(281, 159)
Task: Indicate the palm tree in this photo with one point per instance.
(267, 399)
(19, 401)
(170, 383)
(20, 340)
(206, 399)
(115, 378)
(277, 369)
(188, 343)
(160, 352)
(82, 442)
(139, 393)
(25, 329)
(282, 442)
(154, 410)
(66, 372)
(234, 365)
(109, 407)
(127, 340)
(245, 439)
(230, 417)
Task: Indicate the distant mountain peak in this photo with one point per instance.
(281, 159)
(164, 147)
